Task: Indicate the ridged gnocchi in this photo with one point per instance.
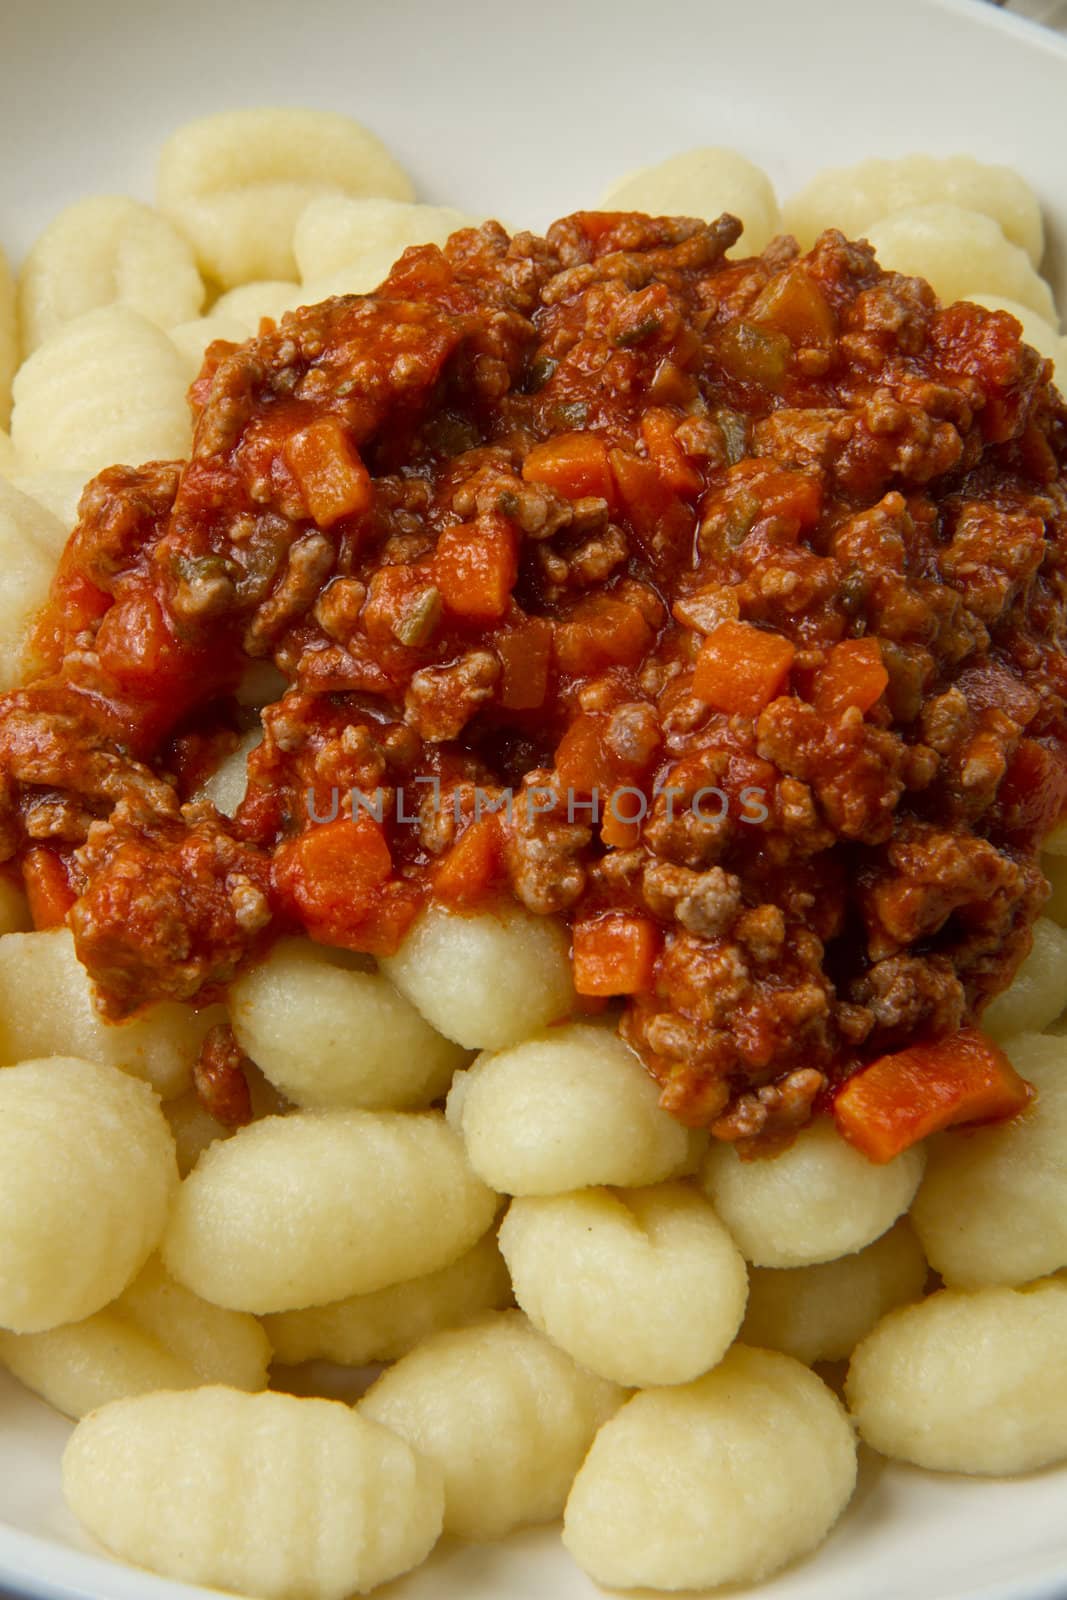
(564, 1110)
(46, 1008)
(821, 1313)
(967, 1381)
(236, 182)
(92, 1147)
(9, 341)
(228, 784)
(506, 1415)
(58, 493)
(290, 1499)
(852, 198)
(815, 1201)
(486, 979)
(106, 250)
(644, 1286)
(992, 1208)
(387, 1323)
(156, 1335)
(28, 535)
(348, 246)
(327, 1034)
(312, 1207)
(250, 303)
(109, 387)
(191, 339)
(960, 253)
(703, 183)
(1038, 992)
(724, 1480)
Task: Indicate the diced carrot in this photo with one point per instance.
(525, 655)
(741, 668)
(854, 676)
(332, 878)
(620, 824)
(472, 864)
(602, 632)
(658, 427)
(47, 887)
(615, 954)
(583, 762)
(328, 469)
(793, 304)
(136, 646)
(574, 464)
(902, 1098)
(475, 566)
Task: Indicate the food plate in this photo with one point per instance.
(529, 116)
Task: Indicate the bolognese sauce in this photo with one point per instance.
(714, 604)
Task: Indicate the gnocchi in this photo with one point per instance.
(156, 1335)
(389, 1322)
(291, 1499)
(107, 250)
(46, 1008)
(644, 1286)
(967, 1381)
(724, 1480)
(355, 242)
(236, 183)
(191, 339)
(565, 1110)
(250, 303)
(312, 1207)
(28, 539)
(853, 198)
(821, 1313)
(992, 1208)
(506, 1415)
(326, 1034)
(959, 252)
(486, 979)
(817, 1200)
(1038, 992)
(93, 1148)
(109, 387)
(9, 341)
(703, 183)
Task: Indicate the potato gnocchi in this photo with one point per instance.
(506, 1415)
(703, 183)
(959, 252)
(724, 1480)
(291, 1499)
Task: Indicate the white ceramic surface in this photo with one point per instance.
(528, 110)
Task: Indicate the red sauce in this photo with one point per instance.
(767, 555)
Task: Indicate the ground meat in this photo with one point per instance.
(491, 524)
(219, 1078)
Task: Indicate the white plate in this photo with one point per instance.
(528, 110)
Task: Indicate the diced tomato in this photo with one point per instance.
(615, 954)
(525, 653)
(475, 566)
(1033, 795)
(658, 428)
(47, 887)
(473, 863)
(574, 464)
(329, 471)
(602, 632)
(903, 1098)
(854, 677)
(136, 646)
(741, 668)
(661, 522)
(334, 879)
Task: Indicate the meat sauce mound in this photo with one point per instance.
(716, 605)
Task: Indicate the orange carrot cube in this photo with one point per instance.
(475, 566)
(903, 1098)
(574, 464)
(615, 954)
(328, 469)
(854, 676)
(741, 668)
